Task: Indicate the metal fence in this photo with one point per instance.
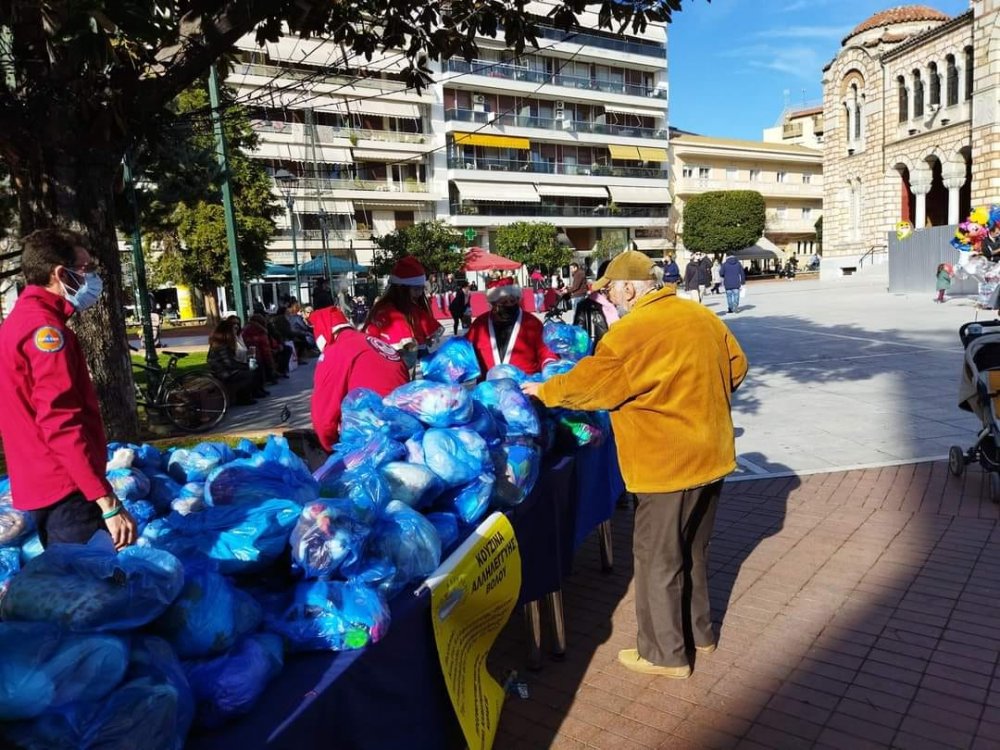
(913, 262)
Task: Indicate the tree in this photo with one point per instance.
(723, 221)
(608, 247)
(84, 80)
(434, 243)
(534, 244)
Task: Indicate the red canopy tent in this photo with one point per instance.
(477, 259)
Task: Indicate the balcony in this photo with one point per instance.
(633, 47)
(493, 69)
(312, 77)
(313, 184)
(695, 185)
(317, 234)
(548, 123)
(328, 133)
(554, 167)
(536, 209)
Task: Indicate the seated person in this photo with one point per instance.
(349, 359)
(508, 335)
(265, 348)
(243, 383)
(301, 333)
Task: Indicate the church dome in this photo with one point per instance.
(902, 14)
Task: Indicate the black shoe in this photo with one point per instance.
(261, 393)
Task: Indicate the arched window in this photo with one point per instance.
(904, 100)
(918, 94)
(952, 81)
(969, 73)
(935, 81)
(859, 120)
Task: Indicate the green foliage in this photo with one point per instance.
(534, 244)
(608, 247)
(430, 242)
(723, 221)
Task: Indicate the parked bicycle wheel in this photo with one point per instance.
(195, 402)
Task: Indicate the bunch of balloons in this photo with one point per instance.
(971, 232)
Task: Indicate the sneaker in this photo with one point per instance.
(630, 659)
(706, 649)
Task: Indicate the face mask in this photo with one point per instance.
(504, 313)
(87, 293)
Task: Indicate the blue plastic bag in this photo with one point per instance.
(15, 525)
(363, 416)
(446, 525)
(484, 425)
(470, 501)
(195, 464)
(209, 615)
(457, 455)
(241, 538)
(331, 616)
(88, 587)
(412, 484)
(163, 490)
(511, 409)
(434, 404)
(516, 466)
(455, 363)
(415, 449)
(129, 484)
(142, 511)
(364, 487)
(557, 368)
(377, 451)
(229, 685)
(250, 480)
(502, 372)
(10, 564)
(246, 448)
(404, 543)
(147, 458)
(154, 662)
(43, 667)
(569, 342)
(328, 534)
(31, 548)
(190, 500)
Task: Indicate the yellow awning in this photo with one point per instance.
(625, 152)
(652, 154)
(496, 141)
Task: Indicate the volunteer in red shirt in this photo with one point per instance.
(402, 316)
(53, 436)
(350, 359)
(508, 335)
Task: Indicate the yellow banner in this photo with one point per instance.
(185, 308)
(472, 595)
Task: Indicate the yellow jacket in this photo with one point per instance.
(666, 372)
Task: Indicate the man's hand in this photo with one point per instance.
(121, 526)
(531, 389)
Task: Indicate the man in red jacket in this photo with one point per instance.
(350, 359)
(52, 432)
(508, 335)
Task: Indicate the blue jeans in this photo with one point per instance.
(733, 299)
(539, 301)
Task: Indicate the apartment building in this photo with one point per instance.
(789, 177)
(573, 133)
(802, 126)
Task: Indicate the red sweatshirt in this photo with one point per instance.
(353, 360)
(50, 422)
(525, 350)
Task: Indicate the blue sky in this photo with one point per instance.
(732, 61)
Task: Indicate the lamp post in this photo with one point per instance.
(286, 183)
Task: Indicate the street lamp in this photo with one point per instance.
(286, 183)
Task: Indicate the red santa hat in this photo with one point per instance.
(325, 322)
(502, 292)
(408, 272)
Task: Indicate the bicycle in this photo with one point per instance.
(192, 402)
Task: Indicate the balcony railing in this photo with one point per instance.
(536, 209)
(549, 123)
(317, 234)
(313, 77)
(652, 49)
(520, 73)
(328, 133)
(554, 167)
(311, 184)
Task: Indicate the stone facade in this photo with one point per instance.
(910, 109)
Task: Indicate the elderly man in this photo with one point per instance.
(666, 372)
(507, 335)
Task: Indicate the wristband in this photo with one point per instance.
(112, 513)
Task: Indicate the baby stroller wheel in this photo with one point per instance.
(995, 487)
(956, 461)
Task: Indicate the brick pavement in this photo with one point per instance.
(858, 610)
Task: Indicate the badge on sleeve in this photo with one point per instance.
(383, 348)
(49, 340)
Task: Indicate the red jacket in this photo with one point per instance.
(353, 360)
(256, 335)
(51, 425)
(390, 325)
(525, 350)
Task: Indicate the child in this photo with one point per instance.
(943, 281)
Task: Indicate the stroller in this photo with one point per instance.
(979, 392)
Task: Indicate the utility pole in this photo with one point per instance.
(227, 197)
(139, 266)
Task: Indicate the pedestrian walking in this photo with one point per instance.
(733, 279)
(459, 308)
(704, 275)
(716, 277)
(671, 272)
(577, 285)
(943, 281)
(692, 272)
(52, 431)
(666, 372)
(538, 289)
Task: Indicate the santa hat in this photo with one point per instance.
(502, 292)
(325, 322)
(408, 272)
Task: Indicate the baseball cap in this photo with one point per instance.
(627, 266)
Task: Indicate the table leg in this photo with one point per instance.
(558, 624)
(533, 625)
(607, 550)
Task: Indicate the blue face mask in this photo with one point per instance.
(87, 292)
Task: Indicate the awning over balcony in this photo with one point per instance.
(397, 157)
(495, 141)
(508, 192)
(629, 109)
(573, 191)
(652, 154)
(382, 107)
(654, 195)
(651, 244)
(624, 152)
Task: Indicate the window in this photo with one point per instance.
(781, 176)
(918, 94)
(952, 81)
(858, 120)
(732, 173)
(807, 214)
(904, 99)
(806, 179)
(969, 72)
(687, 172)
(782, 211)
(754, 175)
(935, 81)
(704, 173)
